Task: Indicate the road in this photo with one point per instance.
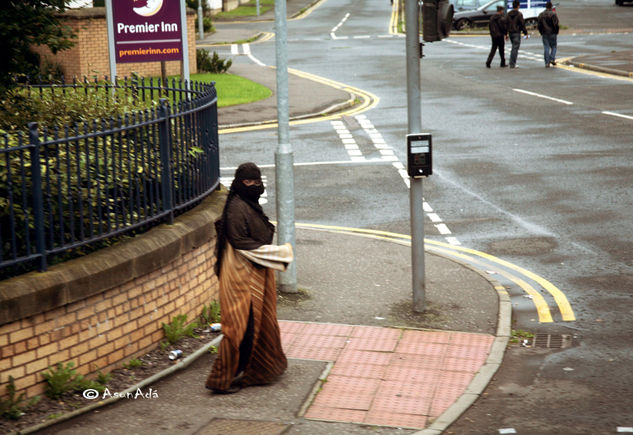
(532, 166)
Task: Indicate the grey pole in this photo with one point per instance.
(200, 22)
(415, 126)
(185, 43)
(284, 160)
(111, 52)
(257, 6)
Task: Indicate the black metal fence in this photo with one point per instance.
(64, 188)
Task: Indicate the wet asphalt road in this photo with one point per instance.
(527, 167)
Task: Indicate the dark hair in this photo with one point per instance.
(516, 3)
(499, 8)
(548, 5)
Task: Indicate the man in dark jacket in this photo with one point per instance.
(498, 34)
(516, 25)
(548, 28)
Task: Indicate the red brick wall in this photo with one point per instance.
(103, 331)
(89, 56)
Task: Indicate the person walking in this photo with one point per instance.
(548, 28)
(250, 352)
(516, 25)
(498, 34)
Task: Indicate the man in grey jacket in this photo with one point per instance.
(548, 28)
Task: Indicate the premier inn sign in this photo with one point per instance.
(147, 30)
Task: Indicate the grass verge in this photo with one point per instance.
(233, 90)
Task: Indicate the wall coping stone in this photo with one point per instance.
(36, 292)
(96, 12)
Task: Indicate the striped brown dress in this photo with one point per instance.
(243, 285)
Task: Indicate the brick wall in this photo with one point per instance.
(106, 329)
(89, 56)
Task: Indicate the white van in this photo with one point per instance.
(530, 10)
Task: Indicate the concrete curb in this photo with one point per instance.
(338, 107)
(602, 69)
(145, 382)
(493, 362)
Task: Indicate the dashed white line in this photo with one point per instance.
(534, 94)
(619, 115)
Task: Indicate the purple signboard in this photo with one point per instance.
(147, 30)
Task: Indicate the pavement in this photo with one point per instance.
(360, 359)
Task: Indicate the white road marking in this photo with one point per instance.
(234, 49)
(619, 115)
(534, 94)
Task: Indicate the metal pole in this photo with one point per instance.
(257, 4)
(414, 126)
(284, 159)
(36, 191)
(200, 22)
(111, 48)
(185, 44)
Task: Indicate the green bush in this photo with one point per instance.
(13, 407)
(210, 314)
(212, 64)
(62, 380)
(178, 329)
(207, 25)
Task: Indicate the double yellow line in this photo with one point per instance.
(489, 262)
(367, 99)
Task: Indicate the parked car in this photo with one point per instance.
(481, 15)
(468, 5)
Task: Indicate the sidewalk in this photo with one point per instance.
(360, 360)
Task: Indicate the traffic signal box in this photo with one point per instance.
(437, 19)
(419, 155)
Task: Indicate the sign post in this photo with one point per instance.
(147, 31)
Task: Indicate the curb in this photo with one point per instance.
(493, 362)
(145, 382)
(596, 68)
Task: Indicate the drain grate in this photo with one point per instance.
(552, 341)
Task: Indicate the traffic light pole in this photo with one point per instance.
(415, 126)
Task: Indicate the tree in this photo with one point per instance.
(24, 23)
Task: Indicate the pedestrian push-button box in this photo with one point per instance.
(419, 155)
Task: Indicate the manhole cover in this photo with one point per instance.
(552, 341)
(223, 426)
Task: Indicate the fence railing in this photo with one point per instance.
(64, 188)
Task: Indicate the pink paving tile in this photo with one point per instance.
(364, 357)
(358, 370)
(376, 332)
(406, 389)
(346, 392)
(415, 336)
(465, 339)
(291, 327)
(320, 341)
(327, 329)
(397, 400)
(378, 344)
(438, 408)
(417, 361)
(315, 353)
(470, 352)
(455, 378)
(396, 419)
(462, 365)
(411, 374)
(335, 414)
(422, 348)
(287, 339)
